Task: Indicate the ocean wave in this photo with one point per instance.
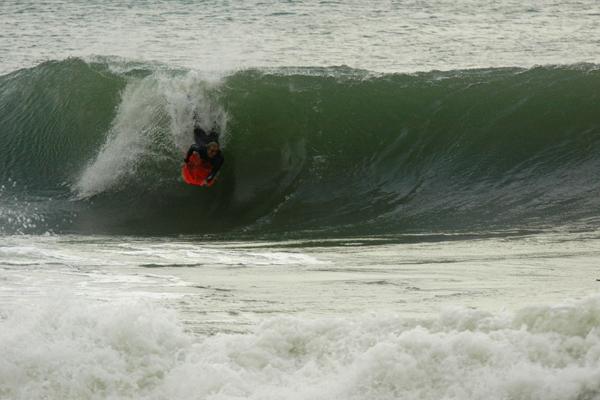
(329, 150)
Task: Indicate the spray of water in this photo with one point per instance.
(154, 120)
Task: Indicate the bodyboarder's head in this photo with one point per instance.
(212, 149)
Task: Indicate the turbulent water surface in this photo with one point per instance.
(408, 208)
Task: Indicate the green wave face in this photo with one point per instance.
(89, 147)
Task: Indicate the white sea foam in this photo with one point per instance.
(69, 349)
(154, 121)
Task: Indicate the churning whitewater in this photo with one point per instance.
(138, 351)
(97, 317)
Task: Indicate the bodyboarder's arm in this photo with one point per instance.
(215, 169)
(193, 148)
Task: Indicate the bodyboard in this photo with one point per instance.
(196, 170)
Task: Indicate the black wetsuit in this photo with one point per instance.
(202, 139)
